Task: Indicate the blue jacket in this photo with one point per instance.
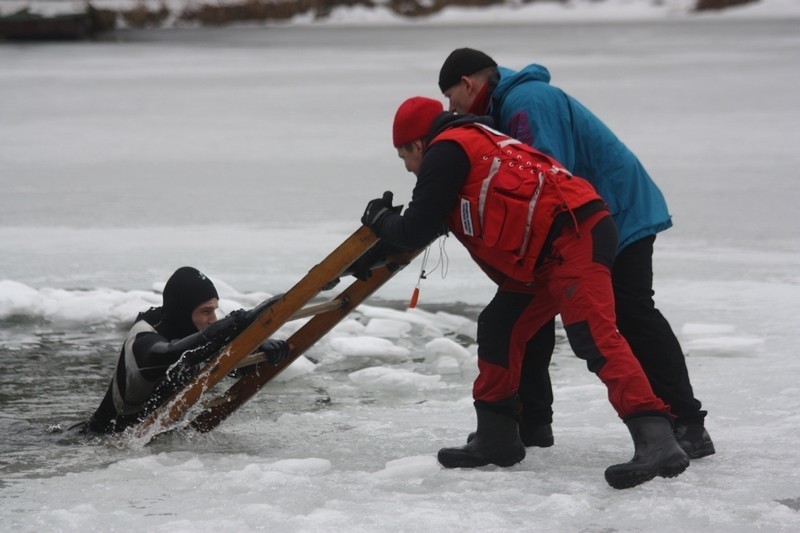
(525, 106)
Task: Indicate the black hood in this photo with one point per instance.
(450, 120)
(185, 290)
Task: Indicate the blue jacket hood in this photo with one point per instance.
(510, 78)
(527, 107)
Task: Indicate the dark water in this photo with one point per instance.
(49, 378)
(55, 377)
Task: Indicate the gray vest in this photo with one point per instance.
(137, 389)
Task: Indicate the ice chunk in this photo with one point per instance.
(16, 298)
(387, 328)
(413, 316)
(446, 364)
(378, 378)
(349, 327)
(306, 467)
(707, 329)
(444, 346)
(300, 367)
(725, 346)
(366, 346)
(410, 467)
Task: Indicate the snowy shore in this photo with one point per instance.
(188, 13)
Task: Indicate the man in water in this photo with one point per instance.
(164, 348)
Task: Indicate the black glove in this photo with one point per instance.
(226, 328)
(362, 268)
(375, 257)
(331, 284)
(275, 350)
(378, 209)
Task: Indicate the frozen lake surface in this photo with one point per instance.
(250, 153)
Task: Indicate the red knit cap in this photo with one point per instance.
(414, 118)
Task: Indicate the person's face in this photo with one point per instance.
(205, 314)
(411, 156)
(461, 95)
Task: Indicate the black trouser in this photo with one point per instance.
(644, 327)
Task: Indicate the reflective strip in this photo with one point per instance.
(490, 129)
(485, 188)
(507, 142)
(529, 219)
(555, 170)
(466, 218)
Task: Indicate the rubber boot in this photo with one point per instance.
(496, 442)
(694, 439)
(536, 435)
(540, 435)
(656, 453)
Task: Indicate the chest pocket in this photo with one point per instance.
(505, 205)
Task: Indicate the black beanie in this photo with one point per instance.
(462, 62)
(185, 290)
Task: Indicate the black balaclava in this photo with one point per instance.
(185, 290)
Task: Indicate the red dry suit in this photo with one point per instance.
(548, 240)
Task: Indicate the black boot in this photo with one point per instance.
(694, 439)
(532, 435)
(495, 442)
(540, 435)
(656, 453)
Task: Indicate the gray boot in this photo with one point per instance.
(656, 453)
(496, 442)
